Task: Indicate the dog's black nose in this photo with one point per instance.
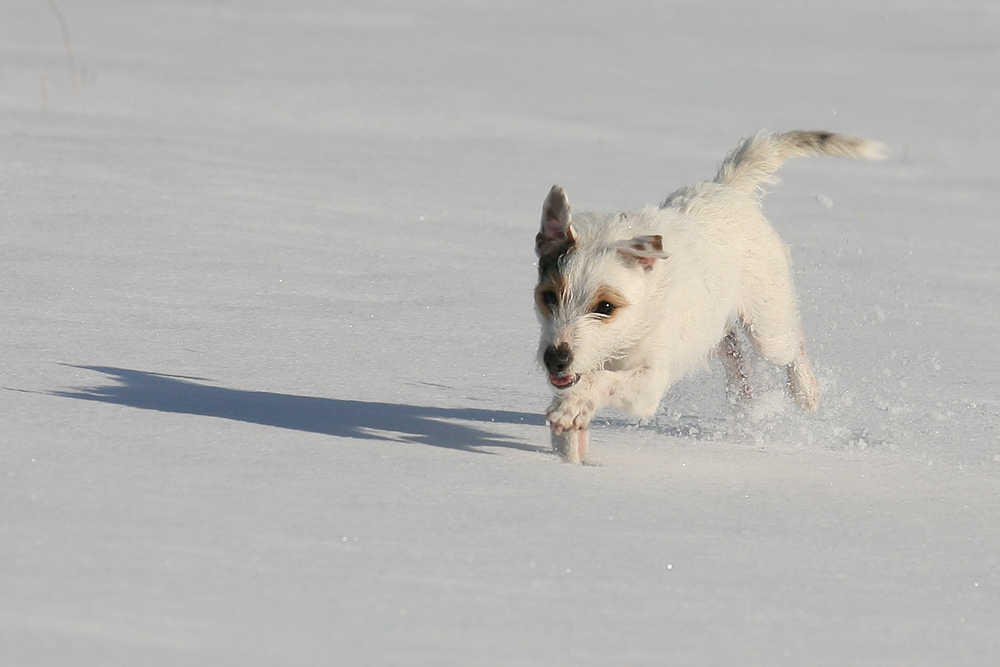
(557, 359)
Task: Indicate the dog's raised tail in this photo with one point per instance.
(754, 162)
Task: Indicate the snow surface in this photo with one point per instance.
(269, 394)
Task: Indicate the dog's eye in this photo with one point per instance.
(550, 299)
(604, 308)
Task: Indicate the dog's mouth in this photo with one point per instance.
(563, 382)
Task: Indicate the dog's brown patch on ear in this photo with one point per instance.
(550, 292)
(642, 250)
(648, 243)
(548, 263)
(607, 303)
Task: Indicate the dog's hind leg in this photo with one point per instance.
(802, 384)
(730, 352)
(791, 354)
(774, 328)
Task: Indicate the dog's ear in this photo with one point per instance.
(642, 251)
(557, 227)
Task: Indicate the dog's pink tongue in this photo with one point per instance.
(561, 382)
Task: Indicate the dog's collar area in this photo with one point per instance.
(563, 382)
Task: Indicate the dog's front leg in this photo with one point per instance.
(634, 391)
(569, 418)
(571, 445)
(574, 407)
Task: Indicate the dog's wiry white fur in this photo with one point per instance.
(631, 302)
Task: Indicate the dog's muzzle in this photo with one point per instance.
(557, 359)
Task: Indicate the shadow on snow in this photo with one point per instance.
(342, 418)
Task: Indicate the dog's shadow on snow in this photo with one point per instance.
(453, 428)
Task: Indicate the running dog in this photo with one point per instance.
(631, 302)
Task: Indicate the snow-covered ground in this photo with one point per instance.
(267, 384)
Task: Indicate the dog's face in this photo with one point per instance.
(589, 295)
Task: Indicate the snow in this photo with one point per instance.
(267, 384)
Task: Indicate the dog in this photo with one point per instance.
(631, 302)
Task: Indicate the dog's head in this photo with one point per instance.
(591, 288)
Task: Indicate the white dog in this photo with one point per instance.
(631, 302)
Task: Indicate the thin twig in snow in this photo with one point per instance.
(69, 46)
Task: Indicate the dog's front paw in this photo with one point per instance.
(572, 409)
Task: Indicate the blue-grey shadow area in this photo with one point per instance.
(454, 428)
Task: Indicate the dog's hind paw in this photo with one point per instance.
(802, 384)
